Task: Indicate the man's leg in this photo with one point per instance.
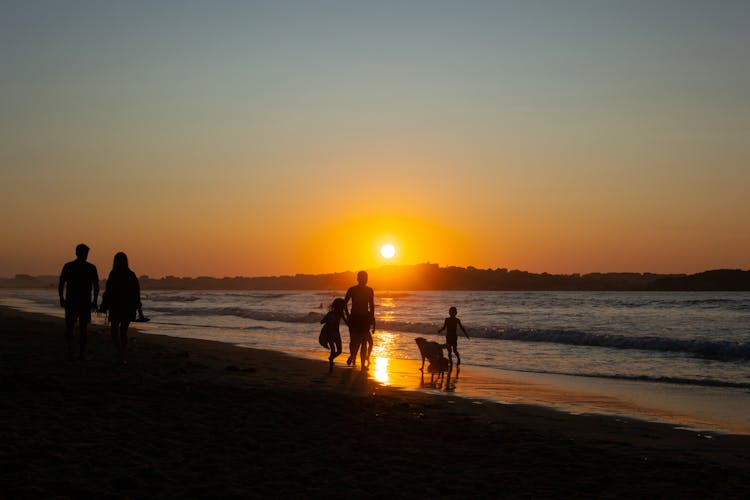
(368, 345)
(70, 323)
(354, 342)
(82, 327)
(363, 351)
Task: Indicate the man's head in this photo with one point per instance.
(82, 251)
(362, 277)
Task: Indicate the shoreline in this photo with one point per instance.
(694, 407)
(700, 409)
(201, 418)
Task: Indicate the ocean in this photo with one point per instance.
(686, 341)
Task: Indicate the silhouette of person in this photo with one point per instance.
(336, 312)
(78, 280)
(361, 318)
(122, 298)
(451, 336)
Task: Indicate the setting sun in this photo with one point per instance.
(388, 251)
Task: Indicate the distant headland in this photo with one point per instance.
(433, 277)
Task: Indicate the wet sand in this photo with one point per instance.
(711, 409)
(202, 419)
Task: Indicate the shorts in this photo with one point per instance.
(359, 324)
(82, 314)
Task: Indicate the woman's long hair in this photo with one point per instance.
(121, 262)
(337, 306)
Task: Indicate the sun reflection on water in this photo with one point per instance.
(386, 307)
(385, 344)
(381, 370)
(384, 348)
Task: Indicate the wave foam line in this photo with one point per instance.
(718, 350)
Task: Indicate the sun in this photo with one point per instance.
(388, 251)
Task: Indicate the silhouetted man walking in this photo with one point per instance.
(361, 318)
(78, 279)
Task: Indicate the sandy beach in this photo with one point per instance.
(201, 419)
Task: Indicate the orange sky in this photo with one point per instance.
(262, 140)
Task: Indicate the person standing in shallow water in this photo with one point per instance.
(361, 318)
(122, 298)
(78, 281)
(450, 325)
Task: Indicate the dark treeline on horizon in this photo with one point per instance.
(433, 277)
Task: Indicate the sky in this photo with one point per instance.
(232, 138)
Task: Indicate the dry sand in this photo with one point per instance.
(200, 419)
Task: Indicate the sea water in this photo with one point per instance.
(681, 340)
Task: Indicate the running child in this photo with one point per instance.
(451, 336)
(330, 336)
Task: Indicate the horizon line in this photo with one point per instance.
(467, 268)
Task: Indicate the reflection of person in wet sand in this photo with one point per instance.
(122, 298)
(78, 280)
(450, 379)
(361, 318)
(451, 335)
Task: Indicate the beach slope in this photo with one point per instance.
(201, 419)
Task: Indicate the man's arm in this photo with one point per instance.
(347, 297)
(96, 287)
(372, 308)
(61, 287)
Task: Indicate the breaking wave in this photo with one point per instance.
(240, 312)
(720, 350)
(717, 350)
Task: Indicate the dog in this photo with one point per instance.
(432, 352)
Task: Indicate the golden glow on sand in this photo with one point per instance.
(382, 351)
(388, 251)
(381, 370)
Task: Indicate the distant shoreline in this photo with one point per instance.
(424, 277)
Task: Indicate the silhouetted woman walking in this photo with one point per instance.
(122, 298)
